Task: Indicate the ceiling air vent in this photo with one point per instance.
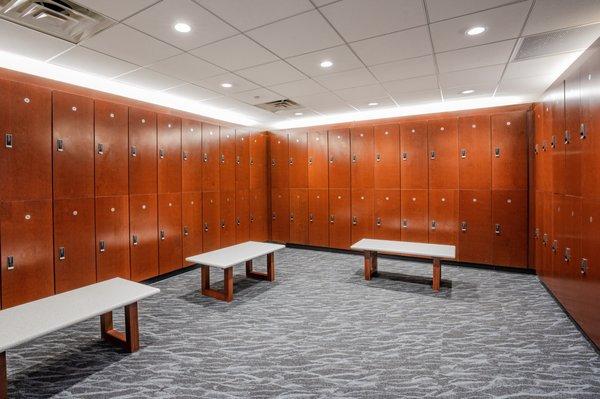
(59, 18)
(279, 105)
(557, 42)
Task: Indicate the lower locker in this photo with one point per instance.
(143, 236)
(557, 240)
(443, 217)
(538, 220)
(318, 217)
(191, 219)
(211, 221)
(259, 215)
(242, 216)
(547, 237)
(387, 215)
(74, 244)
(112, 237)
(475, 221)
(227, 223)
(169, 232)
(567, 258)
(26, 246)
(362, 214)
(280, 215)
(589, 269)
(299, 215)
(414, 206)
(339, 218)
(509, 219)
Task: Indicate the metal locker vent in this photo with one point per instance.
(59, 18)
(279, 105)
(557, 42)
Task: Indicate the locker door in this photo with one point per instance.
(318, 217)
(538, 120)
(362, 214)
(443, 217)
(475, 236)
(573, 143)
(475, 162)
(361, 144)
(143, 230)
(557, 242)
(227, 222)
(509, 147)
(414, 205)
(242, 216)
(25, 154)
(509, 218)
(74, 243)
(242, 160)
(191, 155)
(340, 235)
(73, 137)
(299, 215)
(142, 152)
(443, 153)
(571, 250)
(191, 219)
(589, 270)
(387, 157)
(318, 176)
(169, 154)
(414, 169)
(298, 159)
(211, 221)
(538, 224)
(590, 146)
(557, 143)
(112, 159)
(112, 238)
(169, 232)
(547, 237)
(280, 215)
(339, 158)
(545, 149)
(26, 240)
(259, 215)
(278, 143)
(258, 161)
(210, 157)
(227, 159)
(387, 215)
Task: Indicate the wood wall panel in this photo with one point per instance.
(573, 144)
(299, 215)
(112, 237)
(191, 220)
(169, 232)
(318, 217)
(318, 166)
(588, 285)
(414, 169)
(386, 169)
(112, 158)
(191, 156)
(143, 236)
(557, 143)
(387, 215)
(475, 162)
(143, 175)
(298, 153)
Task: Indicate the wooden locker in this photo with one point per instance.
(414, 205)
(538, 224)
(443, 217)
(169, 233)
(386, 169)
(242, 160)
(568, 235)
(298, 162)
(339, 158)
(280, 215)
(589, 130)
(362, 214)
(318, 169)
(210, 157)
(299, 215)
(227, 159)
(475, 235)
(74, 243)
(258, 161)
(442, 136)
(191, 155)
(557, 143)
(227, 215)
(112, 159)
(211, 221)
(26, 244)
(191, 220)
(169, 154)
(259, 215)
(142, 152)
(558, 239)
(112, 237)
(26, 154)
(143, 240)
(475, 161)
(340, 235)
(547, 237)
(509, 148)
(361, 145)
(318, 217)
(387, 215)
(73, 145)
(589, 270)
(278, 147)
(509, 224)
(242, 216)
(414, 168)
(545, 150)
(573, 143)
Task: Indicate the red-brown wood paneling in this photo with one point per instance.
(242, 216)
(318, 167)
(509, 148)
(361, 148)
(442, 136)
(227, 146)
(318, 217)
(415, 205)
(298, 148)
(112, 160)
(387, 215)
(362, 214)
(112, 237)
(169, 232)
(339, 158)
(280, 215)
(143, 236)
(475, 162)
(258, 161)
(191, 155)
(299, 215)
(590, 148)
(191, 220)
(443, 217)
(475, 235)
(169, 154)
(211, 221)
(386, 169)
(414, 167)
(278, 148)
(259, 215)
(340, 210)
(587, 314)
(227, 215)
(143, 178)
(509, 223)
(242, 160)
(557, 143)
(210, 157)
(573, 143)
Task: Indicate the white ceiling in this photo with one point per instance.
(396, 53)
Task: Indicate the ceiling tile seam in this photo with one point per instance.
(140, 11)
(435, 62)
(477, 45)
(477, 12)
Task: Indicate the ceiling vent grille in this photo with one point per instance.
(59, 18)
(557, 42)
(280, 105)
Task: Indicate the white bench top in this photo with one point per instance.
(235, 254)
(420, 249)
(34, 319)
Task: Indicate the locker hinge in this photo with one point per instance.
(291, 217)
(134, 239)
(378, 222)
(404, 156)
(567, 255)
(497, 229)
(206, 227)
(331, 218)
(10, 262)
(378, 157)
(100, 149)
(205, 157)
(432, 155)
(291, 161)
(354, 220)
(186, 231)
(185, 155)
(554, 246)
(553, 142)
(433, 224)
(237, 159)
(545, 239)
(60, 146)
(463, 153)
(310, 160)
(222, 158)
(102, 246)
(161, 153)
(567, 137)
(497, 152)
(404, 223)
(8, 140)
(311, 217)
(463, 226)
(583, 266)
(238, 221)
(61, 253)
(133, 151)
(582, 131)
(354, 158)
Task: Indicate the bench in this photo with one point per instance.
(436, 252)
(226, 258)
(32, 320)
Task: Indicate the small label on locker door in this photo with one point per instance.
(8, 140)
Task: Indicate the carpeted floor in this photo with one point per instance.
(322, 331)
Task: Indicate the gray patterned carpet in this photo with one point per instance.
(321, 331)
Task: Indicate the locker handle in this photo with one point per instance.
(463, 153)
(251, 161)
(8, 140)
(433, 225)
(61, 253)
(354, 220)
(237, 159)
(554, 246)
(567, 137)
(463, 226)
(161, 153)
(582, 131)
(102, 246)
(331, 219)
(404, 224)
(567, 254)
(205, 157)
(238, 221)
(100, 149)
(497, 229)
(251, 218)
(273, 162)
(354, 158)
(432, 155)
(186, 231)
(378, 222)
(223, 158)
(291, 161)
(206, 227)
(162, 235)
(310, 160)
(536, 149)
(10, 262)
(497, 152)
(583, 266)
(185, 155)
(222, 224)
(60, 146)
(311, 217)
(291, 217)
(134, 239)
(378, 157)
(331, 160)
(133, 151)
(273, 216)
(545, 239)
(544, 146)
(536, 233)
(404, 156)
(553, 142)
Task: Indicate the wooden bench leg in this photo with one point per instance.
(269, 275)
(437, 275)
(130, 339)
(227, 293)
(370, 264)
(3, 377)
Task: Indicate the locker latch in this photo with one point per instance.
(354, 158)
(100, 149)
(237, 159)
(567, 255)
(583, 266)
(161, 153)
(582, 131)
(432, 155)
(463, 226)
(238, 221)
(251, 161)
(567, 137)
(497, 152)
(291, 217)
(463, 153)
(536, 233)
(354, 220)
(185, 155)
(273, 163)
(10, 262)
(378, 222)
(133, 151)
(61, 253)
(331, 160)
(331, 218)
(553, 142)
(102, 246)
(433, 224)
(205, 157)
(536, 149)
(162, 235)
(251, 218)
(291, 161)
(60, 145)
(310, 160)
(311, 217)
(206, 227)
(222, 158)
(497, 229)
(544, 146)
(378, 157)
(404, 156)
(134, 239)
(222, 224)
(186, 231)
(273, 216)
(554, 246)
(545, 239)
(8, 140)
(404, 223)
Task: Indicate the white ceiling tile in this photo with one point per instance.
(187, 67)
(395, 46)
(376, 17)
(297, 35)
(554, 65)
(291, 113)
(271, 74)
(257, 96)
(89, 61)
(473, 57)
(224, 103)
(26, 42)
(343, 80)
(383, 102)
(422, 83)
(557, 14)
(315, 100)
(244, 14)
(299, 88)
(158, 21)
(404, 69)
(527, 87)
(238, 84)
(362, 93)
(444, 9)
(501, 23)
(130, 45)
(235, 53)
(148, 79)
(117, 9)
(193, 92)
(455, 93)
(334, 109)
(342, 57)
(477, 76)
(418, 97)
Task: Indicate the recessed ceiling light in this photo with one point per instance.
(226, 85)
(476, 30)
(298, 113)
(468, 91)
(373, 104)
(326, 64)
(182, 27)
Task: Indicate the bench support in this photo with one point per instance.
(130, 339)
(3, 377)
(269, 275)
(437, 275)
(370, 264)
(227, 293)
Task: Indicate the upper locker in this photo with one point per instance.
(278, 143)
(386, 168)
(258, 161)
(210, 157)
(191, 155)
(414, 169)
(142, 152)
(361, 144)
(227, 146)
(169, 154)
(443, 153)
(339, 158)
(318, 169)
(111, 137)
(557, 143)
(572, 138)
(589, 130)
(509, 148)
(298, 159)
(242, 186)
(474, 138)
